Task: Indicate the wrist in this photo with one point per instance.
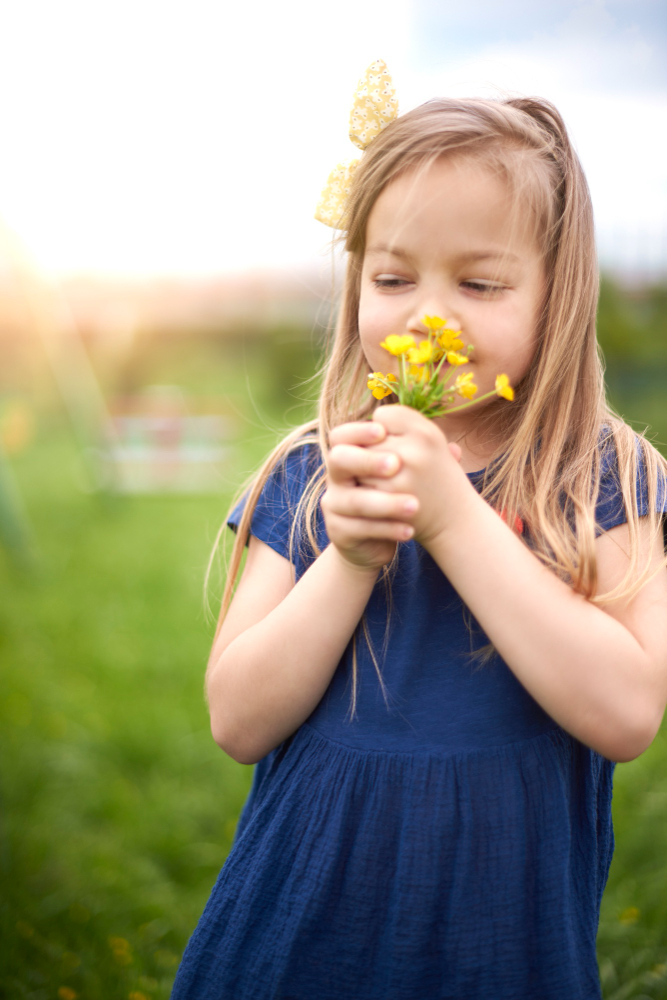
(354, 570)
(459, 498)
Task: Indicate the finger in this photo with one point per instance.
(349, 531)
(370, 503)
(455, 450)
(345, 462)
(398, 419)
(361, 433)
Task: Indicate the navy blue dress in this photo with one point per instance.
(451, 843)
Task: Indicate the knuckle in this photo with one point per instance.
(355, 504)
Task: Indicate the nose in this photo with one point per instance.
(431, 316)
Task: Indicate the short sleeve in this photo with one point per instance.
(277, 503)
(610, 508)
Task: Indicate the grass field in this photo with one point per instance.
(117, 808)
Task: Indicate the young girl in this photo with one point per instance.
(446, 631)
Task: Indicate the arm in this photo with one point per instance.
(601, 674)
(280, 643)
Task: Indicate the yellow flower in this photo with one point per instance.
(121, 950)
(378, 389)
(422, 353)
(418, 373)
(398, 343)
(465, 386)
(454, 358)
(449, 340)
(433, 322)
(503, 387)
(137, 995)
(629, 916)
(66, 993)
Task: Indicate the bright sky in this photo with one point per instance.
(140, 137)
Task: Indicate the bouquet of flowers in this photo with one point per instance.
(423, 381)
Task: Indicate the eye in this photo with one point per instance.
(483, 287)
(390, 281)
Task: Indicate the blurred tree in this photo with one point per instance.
(632, 325)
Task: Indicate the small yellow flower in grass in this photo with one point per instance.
(121, 949)
(378, 389)
(503, 387)
(137, 995)
(465, 386)
(398, 343)
(422, 353)
(630, 915)
(454, 358)
(66, 993)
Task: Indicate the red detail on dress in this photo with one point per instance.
(518, 523)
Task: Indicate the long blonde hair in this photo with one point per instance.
(559, 424)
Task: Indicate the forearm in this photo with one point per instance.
(580, 664)
(269, 679)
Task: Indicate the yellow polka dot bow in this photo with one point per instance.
(375, 105)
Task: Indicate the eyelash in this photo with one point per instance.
(389, 282)
(477, 286)
(482, 287)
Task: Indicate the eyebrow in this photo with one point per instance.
(472, 257)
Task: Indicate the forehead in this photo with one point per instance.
(450, 204)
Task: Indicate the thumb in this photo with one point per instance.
(455, 450)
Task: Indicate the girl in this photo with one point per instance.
(435, 695)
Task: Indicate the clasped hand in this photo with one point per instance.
(390, 479)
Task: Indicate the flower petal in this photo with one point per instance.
(398, 343)
(503, 387)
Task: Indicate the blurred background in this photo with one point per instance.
(164, 292)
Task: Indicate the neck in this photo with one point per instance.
(478, 444)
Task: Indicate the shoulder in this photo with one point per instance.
(299, 463)
(277, 498)
(284, 475)
(289, 477)
(631, 480)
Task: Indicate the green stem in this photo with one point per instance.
(471, 402)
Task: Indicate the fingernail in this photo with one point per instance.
(389, 464)
(410, 506)
(408, 532)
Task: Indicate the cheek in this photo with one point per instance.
(524, 352)
(372, 330)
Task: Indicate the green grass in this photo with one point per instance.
(117, 808)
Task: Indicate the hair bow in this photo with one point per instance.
(375, 105)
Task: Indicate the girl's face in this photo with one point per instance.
(446, 243)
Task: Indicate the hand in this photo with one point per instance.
(428, 469)
(364, 522)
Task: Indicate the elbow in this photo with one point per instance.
(235, 747)
(629, 742)
(223, 730)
